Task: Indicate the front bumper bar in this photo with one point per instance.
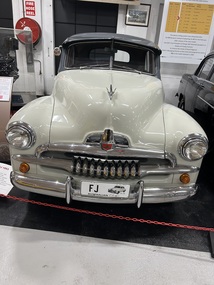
(66, 190)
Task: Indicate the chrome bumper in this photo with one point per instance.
(66, 190)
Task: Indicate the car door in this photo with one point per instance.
(198, 82)
(204, 102)
(188, 88)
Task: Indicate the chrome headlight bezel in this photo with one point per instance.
(189, 146)
(20, 135)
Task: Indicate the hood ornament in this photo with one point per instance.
(107, 140)
(111, 91)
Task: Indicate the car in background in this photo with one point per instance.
(196, 95)
(105, 124)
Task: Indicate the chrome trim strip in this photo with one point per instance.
(58, 189)
(49, 162)
(95, 149)
(140, 195)
(168, 170)
(171, 158)
(66, 165)
(27, 183)
(211, 106)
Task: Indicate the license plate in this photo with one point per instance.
(105, 190)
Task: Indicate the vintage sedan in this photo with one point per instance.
(104, 126)
(196, 95)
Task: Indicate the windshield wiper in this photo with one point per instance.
(94, 65)
(127, 68)
(107, 65)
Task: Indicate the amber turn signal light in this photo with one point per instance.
(24, 167)
(184, 178)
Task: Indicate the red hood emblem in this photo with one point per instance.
(107, 140)
(106, 146)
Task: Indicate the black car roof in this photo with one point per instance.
(120, 37)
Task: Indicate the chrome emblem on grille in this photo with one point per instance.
(107, 140)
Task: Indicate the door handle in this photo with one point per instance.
(201, 85)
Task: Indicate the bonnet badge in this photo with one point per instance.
(111, 91)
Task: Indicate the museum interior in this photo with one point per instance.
(106, 142)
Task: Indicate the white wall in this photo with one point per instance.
(170, 73)
(122, 28)
(42, 52)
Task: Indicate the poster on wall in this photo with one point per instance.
(5, 88)
(187, 30)
(138, 15)
(5, 183)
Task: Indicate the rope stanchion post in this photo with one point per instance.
(212, 243)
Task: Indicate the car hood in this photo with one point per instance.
(90, 101)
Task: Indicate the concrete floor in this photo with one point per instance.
(37, 257)
(43, 245)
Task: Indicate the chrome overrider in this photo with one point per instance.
(70, 187)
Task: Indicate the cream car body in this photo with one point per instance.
(104, 126)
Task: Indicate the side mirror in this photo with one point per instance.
(57, 51)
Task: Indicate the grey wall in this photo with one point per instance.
(6, 16)
(72, 17)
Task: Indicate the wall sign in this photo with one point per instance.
(187, 30)
(6, 84)
(5, 183)
(30, 8)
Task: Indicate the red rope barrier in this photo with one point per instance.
(197, 228)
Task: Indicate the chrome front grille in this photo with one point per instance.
(108, 167)
(102, 168)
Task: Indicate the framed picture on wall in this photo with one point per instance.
(138, 15)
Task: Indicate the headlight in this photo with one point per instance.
(193, 147)
(20, 135)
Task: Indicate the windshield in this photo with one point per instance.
(109, 54)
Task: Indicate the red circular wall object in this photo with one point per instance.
(28, 24)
